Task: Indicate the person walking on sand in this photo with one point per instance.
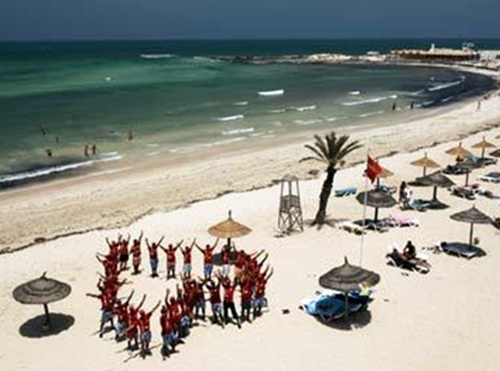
(153, 256)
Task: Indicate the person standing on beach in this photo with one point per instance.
(130, 136)
(215, 301)
(170, 252)
(478, 107)
(260, 299)
(186, 254)
(228, 304)
(167, 332)
(123, 253)
(208, 258)
(86, 150)
(145, 330)
(394, 106)
(107, 304)
(94, 149)
(136, 253)
(226, 259)
(246, 299)
(153, 256)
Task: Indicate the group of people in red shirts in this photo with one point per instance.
(179, 311)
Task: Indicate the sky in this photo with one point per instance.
(248, 19)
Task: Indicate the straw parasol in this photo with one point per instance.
(347, 278)
(43, 290)
(229, 229)
(483, 145)
(377, 199)
(436, 180)
(458, 151)
(472, 216)
(425, 162)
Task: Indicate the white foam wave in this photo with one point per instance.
(331, 119)
(224, 142)
(157, 56)
(447, 99)
(271, 93)
(238, 131)
(308, 122)
(43, 172)
(153, 145)
(370, 100)
(150, 154)
(243, 103)
(280, 110)
(371, 114)
(446, 86)
(204, 59)
(230, 118)
(356, 92)
(307, 108)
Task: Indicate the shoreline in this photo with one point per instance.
(48, 211)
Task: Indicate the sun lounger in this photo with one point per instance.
(455, 170)
(462, 250)
(418, 263)
(464, 192)
(351, 227)
(345, 192)
(332, 306)
(402, 221)
(418, 205)
(493, 177)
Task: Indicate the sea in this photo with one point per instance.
(139, 99)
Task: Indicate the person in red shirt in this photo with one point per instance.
(246, 299)
(153, 256)
(136, 253)
(132, 329)
(199, 299)
(145, 330)
(167, 332)
(228, 304)
(186, 254)
(208, 258)
(123, 253)
(215, 301)
(107, 303)
(121, 312)
(260, 292)
(170, 252)
(226, 259)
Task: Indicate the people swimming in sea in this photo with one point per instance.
(94, 149)
(394, 105)
(130, 136)
(86, 150)
(48, 152)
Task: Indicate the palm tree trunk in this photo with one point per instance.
(326, 190)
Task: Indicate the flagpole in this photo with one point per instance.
(365, 201)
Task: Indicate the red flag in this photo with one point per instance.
(373, 169)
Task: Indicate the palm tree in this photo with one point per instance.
(330, 150)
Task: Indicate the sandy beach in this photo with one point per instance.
(442, 320)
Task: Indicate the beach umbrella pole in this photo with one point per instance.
(434, 195)
(471, 233)
(424, 170)
(47, 315)
(376, 215)
(467, 179)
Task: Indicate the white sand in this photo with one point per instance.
(446, 320)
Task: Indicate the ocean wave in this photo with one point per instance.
(280, 110)
(370, 100)
(152, 145)
(242, 103)
(238, 131)
(230, 118)
(331, 119)
(355, 92)
(204, 59)
(371, 113)
(224, 142)
(446, 85)
(271, 93)
(306, 108)
(37, 173)
(447, 99)
(157, 56)
(150, 154)
(308, 122)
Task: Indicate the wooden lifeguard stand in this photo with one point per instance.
(290, 212)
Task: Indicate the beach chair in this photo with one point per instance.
(345, 192)
(402, 221)
(351, 227)
(493, 177)
(417, 264)
(462, 250)
(455, 170)
(463, 191)
(418, 205)
(379, 226)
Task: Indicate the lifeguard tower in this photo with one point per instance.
(290, 212)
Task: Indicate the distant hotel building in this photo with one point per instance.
(467, 53)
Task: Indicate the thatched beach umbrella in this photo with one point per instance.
(436, 180)
(347, 278)
(425, 162)
(472, 216)
(458, 151)
(377, 199)
(43, 290)
(483, 145)
(229, 229)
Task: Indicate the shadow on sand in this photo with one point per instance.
(352, 322)
(36, 327)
